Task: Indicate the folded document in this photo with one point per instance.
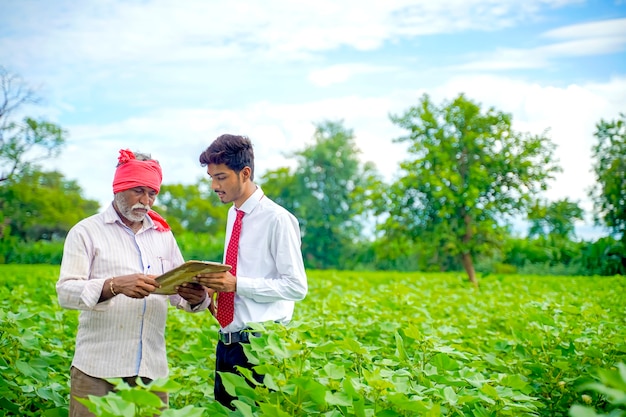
(185, 273)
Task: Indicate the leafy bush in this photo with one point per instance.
(38, 252)
(610, 386)
(606, 256)
(201, 246)
(549, 269)
(139, 400)
(36, 341)
(193, 246)
(361, 344)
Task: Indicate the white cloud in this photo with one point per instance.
(167, 78)
(589, 39)
(340, 73)
(161, 31)
(503, 60)
(599, 29)
(177, 136)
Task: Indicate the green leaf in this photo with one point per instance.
(581, 411)
(413, 332)
(402, 402)
(313, 389)
(187, 411)
(353, 345)
(142, 398)
(248, 375)
(273, 410)
(277, 346)
(614, 395)
(359, 407)
(243, 408)
(232, 382)
(435, 411)
(444, 362)
(515, 381)
(162, 385)
(8, 405)
(268, 381)
(388, 413)
(56, 412)
(237, 386)
(400, 351)
(490, 391)
(450, 396)
(614, 378)
(337, 398)
(334, 371)
(348, 388)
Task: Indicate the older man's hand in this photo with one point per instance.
(193, 292)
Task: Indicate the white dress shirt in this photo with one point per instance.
(270, 269)
(122, 336)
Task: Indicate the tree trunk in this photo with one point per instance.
(466, 259)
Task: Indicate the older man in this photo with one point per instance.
(110, 262)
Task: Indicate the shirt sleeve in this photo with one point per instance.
(74, 288)
(290, 281)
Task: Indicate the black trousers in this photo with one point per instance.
(227, 357)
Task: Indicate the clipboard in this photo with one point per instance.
(184, 273)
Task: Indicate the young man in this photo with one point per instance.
(110, 262)
(268, 273)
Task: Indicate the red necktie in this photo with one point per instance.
(226, 300)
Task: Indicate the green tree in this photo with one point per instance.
(554, 219)
(329, 192)
(468, 172)
(24, 142)
(43, 205)
(282, 186)
(609, 194)
(193, 208)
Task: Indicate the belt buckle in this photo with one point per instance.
(226, 338)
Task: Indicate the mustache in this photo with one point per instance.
(140, 206)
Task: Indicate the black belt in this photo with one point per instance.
(242, 336)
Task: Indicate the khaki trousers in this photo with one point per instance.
(83, 385)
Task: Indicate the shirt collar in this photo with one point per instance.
(252, 202)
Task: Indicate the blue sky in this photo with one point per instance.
(167, 77)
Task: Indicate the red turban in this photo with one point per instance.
(134, 173)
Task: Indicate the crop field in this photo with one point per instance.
(361, 344)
